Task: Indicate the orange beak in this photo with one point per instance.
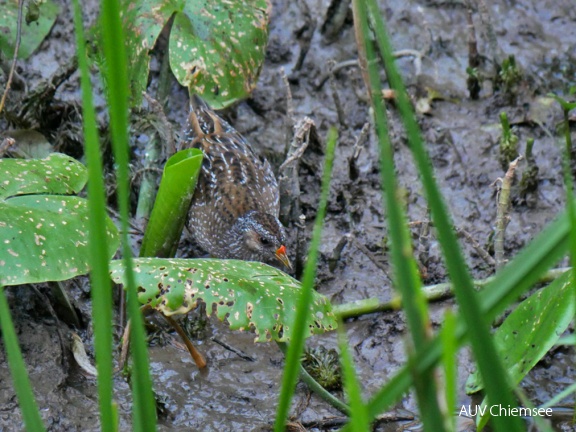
(282, 257)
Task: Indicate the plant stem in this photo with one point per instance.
(431, 293)
(502, 210)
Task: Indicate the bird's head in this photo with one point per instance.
(262, 238)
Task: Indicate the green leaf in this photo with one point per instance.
(57, 174)
(32, 34)
(565, 104)
(531, 330)
(359, 420)
(217, 48)
(248, 295)
(172, 204)
(305, 298)
(44, 237)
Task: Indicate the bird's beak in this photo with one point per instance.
(282, 257)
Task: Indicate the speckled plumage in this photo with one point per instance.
(234, 211)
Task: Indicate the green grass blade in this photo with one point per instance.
(294, 355)
(532, 329)
(513, 280)
(100, 281)
(144, 409)
(406, 275)
(26, 400)
(449, 352)
(489, 363)
(557, 399)
(359, 421)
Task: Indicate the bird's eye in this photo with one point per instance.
(264, 241)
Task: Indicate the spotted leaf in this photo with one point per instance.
(56, 174)
(247, 295)
(43, 233)
(217, 48)
(532, 329)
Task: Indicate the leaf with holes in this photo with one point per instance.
(216, 47)
(43, 229)
(247, 295)
(532, 329)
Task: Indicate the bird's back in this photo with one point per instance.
(233, 179)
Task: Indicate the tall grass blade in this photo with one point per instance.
(489, 363)
(293, 358)
(26, 400)
(406, 277)
(113, 41)
(514, 279)
(449, 352)
(359, 420)
(99, 278)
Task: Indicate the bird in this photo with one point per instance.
(236, 203)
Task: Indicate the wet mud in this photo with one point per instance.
(461, 136)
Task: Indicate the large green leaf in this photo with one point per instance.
(32, 34)
(532, 329)
(56, 174)
(43, 236)
(216, 47)
(172, 203)
(248, 295)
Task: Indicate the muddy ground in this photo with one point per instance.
(462, 138)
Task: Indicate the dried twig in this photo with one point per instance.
(6, 144)
(299, 143)
(16, 49)
(418, 55)
(288, 173)
(479, 249)
(356, 150)
(166, 132)
(43, 93)
(467, 236)
(230, 348)
(502, 211)
(289, 108)
(337, 103)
